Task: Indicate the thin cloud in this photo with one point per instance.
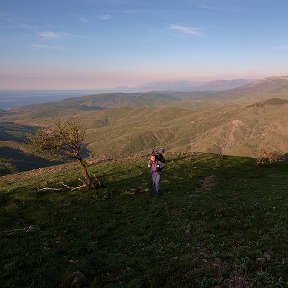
(80, 17)
(28, 27)
(210, 8)
(83, 19)
(8, 39)
(49, 35)
(53, 47)
(220, 9)
(113, 2)
(89, 18)
(104, 17)
(10, 20)
(186, 30)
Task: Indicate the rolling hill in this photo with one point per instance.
(3, 112)
(109, 100)
(15, 155)
(240, 121)
(72, 106)
(236, 129)
(95, 102)
(239, 130)
(271, 87)
(270, 102)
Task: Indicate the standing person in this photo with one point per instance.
(156, 166)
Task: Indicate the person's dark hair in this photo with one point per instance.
(154, 153)
(159, 155)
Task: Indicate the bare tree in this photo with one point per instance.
(266, 156)
(64, 139)
(219, 148)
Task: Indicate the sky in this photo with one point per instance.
(94, 44)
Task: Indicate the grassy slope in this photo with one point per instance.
(231, 234)
(271, 87)
(75, 105)
(14, 154)
(241, 130)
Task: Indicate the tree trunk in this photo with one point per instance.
(87, 179)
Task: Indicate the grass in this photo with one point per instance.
(229, 233)
(15, 154)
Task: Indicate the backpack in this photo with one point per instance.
(161, 158)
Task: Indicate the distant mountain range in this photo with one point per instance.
(273, 87)
(169, 85)
(216, 85)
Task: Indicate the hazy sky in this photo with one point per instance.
(86, 44)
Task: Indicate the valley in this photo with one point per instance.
(236, 122)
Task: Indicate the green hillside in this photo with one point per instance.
(269, 102)
(219, 223)
(3, 112)
(238, 122)
(271, 87)
(15, 155)
(235, 129)
(238, 130)
(96, 102)
(10, 131)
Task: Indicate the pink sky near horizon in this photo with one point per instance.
(53, 80)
